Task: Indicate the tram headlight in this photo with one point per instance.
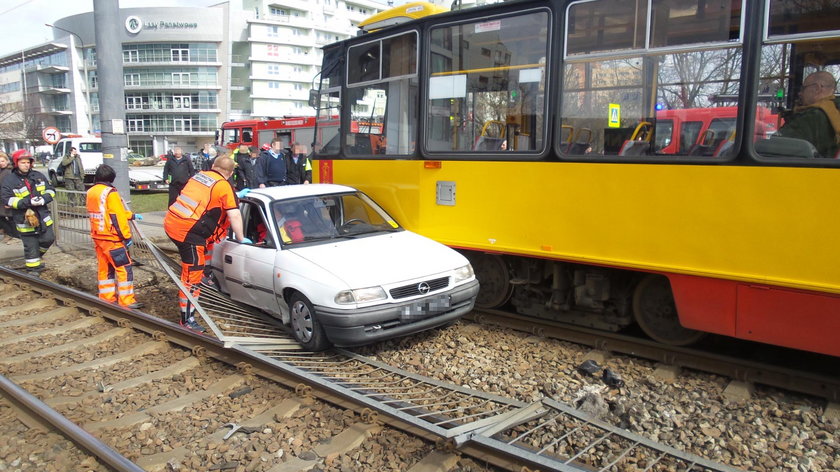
(360, 295)
(463, 273)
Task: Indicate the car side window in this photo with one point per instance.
(255, 226)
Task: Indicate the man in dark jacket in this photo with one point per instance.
(817, 119)
(272, 165)
(177, 171)
(298, 166)
(245, 175)
(74, 175)
(28, 193)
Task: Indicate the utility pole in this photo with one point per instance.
(106, 19)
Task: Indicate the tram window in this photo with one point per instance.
(327, 142)
(692, 89)
(486, 85)
(383, 111)
(621, 25)
(802, 40)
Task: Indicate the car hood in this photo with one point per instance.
(382, 259)
(145, 174)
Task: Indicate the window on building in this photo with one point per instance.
(130, 79)
(182, 124)
(136, 125)
(180, 55)
(274, 69)
(274, 84)
(273, 31)
(134, 103)
(181, 101)
(273, 50)
(180, 78)
(131, 56)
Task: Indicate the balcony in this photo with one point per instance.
(49, 89)
(52, 69)
(56, 111)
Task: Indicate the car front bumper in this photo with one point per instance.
(367, 325)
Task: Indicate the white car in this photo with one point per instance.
(331, 263)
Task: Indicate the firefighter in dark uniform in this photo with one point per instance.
(28, 192)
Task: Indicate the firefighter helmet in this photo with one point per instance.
(21, 154)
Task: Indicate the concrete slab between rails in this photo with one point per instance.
(31, 305)
(80, 324)
(598, 356)
(666, 373)
(127, 356)
(832, 413)
(176, 368)
(295, 464)
(71, 346)
(436, 462)
(738, 391)
(347, 440)
(169, 407)
(155, 462)
(52, 315)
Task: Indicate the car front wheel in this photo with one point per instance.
(305, 325)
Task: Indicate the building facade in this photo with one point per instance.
(185, 70)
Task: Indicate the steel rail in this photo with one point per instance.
(29, 404)
(475, 422)
(732, 367)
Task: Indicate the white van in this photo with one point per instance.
(90, 149)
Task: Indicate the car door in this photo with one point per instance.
(249, 268)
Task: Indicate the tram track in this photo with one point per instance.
(496, 430)
(744, 370)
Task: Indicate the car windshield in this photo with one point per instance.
(328, 217)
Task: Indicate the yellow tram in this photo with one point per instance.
(537, 137)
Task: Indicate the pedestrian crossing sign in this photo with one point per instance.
(615, 115)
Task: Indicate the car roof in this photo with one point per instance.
(294, 191)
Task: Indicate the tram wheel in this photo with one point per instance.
(656, 313)
(494, 276)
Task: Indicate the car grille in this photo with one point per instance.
(414, 289)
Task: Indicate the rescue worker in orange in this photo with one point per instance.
(192, 221)
(111, 236)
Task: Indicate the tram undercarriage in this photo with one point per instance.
(594, 297)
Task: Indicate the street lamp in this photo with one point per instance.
(87, 79)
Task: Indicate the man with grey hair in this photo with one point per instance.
(817, 118)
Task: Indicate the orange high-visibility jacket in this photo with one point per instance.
(108, 215)
(200, 208)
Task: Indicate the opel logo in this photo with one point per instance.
(423, 288)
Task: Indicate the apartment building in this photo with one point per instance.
(185, 70)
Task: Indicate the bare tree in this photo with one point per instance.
(691, 80)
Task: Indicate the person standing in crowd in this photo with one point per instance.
(207, 202)
(111, 236)
(298, 166)
(244, 176)
(28, 192)
(255, 159)
(6, 225)
(817, 118)
(207, 153)
(272, 165)
(176, 172)
(74, 174)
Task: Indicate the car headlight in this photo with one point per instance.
(463, 273)
(360, 295)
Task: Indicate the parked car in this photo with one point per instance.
(332, 264)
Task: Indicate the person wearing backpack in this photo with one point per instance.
(74, 175)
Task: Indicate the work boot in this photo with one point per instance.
(135, 306)
(192, 325)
